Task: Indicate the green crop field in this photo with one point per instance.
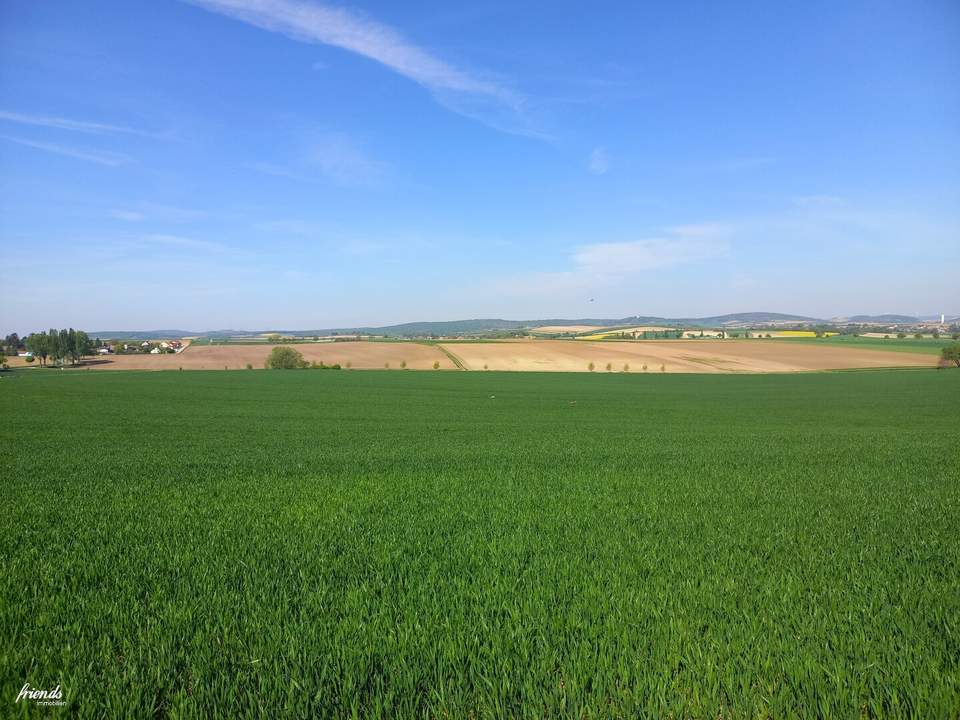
(488, 545)
(925, 346)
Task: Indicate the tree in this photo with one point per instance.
(590, 367)
(12, 343)
(285, 358)
(918, 336)
(950, 354)
(40, 345)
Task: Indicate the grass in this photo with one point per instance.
(925, 346)
(492, 545)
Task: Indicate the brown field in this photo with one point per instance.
(363, 355)
(679, 356)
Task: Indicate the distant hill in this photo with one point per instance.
(143, 334)
(883, 319)
(473, 326)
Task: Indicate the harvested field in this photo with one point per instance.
(362, 355)
(679, 356)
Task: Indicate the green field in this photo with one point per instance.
(490, 545)
(925, 346)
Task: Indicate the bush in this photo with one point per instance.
(285, 358)
(663, 368)
(590, 367)
(918, 336)
(950, 355)
(29, 359)
(436, 364)
(901, 336)
(609, 367)
(249, 366)
(403, 364)
(626, 367)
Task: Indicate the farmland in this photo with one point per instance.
(671, 356)
(487, 544)
(678, 356)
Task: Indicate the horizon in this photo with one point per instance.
(364, 164)
(800, 318)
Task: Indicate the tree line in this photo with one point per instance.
(60, 346)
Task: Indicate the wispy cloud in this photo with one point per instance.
(818, 201)
(101, 157)
(599, 161)
(334, 156)
(128, 215)
(482, 98)
(602, 265)
(636, 256)
(341, 159)
(154, 211)
(94, 128)
(177, 241)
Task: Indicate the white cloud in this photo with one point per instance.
(486, 100)
(607, 265)
(178, 241)
(627, 258)
(101, 157)
(818, 201)
(599, 161)
(335, 156)
(73, 125)
(342, 160)
(128, 215)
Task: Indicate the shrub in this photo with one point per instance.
(486, 367)
(436, 364)
(590, 367)
(249, 366)
(644, 367)
(403, 364)
(386, 366)
(29, 359)
(663, 368)
(918, 336)
(626, 367)
(609, 367)
(950, 355)
(901, 336)
(285, 358)
(349, 364)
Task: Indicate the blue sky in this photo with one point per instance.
(283, 163)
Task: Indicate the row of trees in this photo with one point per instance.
(60, 346)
